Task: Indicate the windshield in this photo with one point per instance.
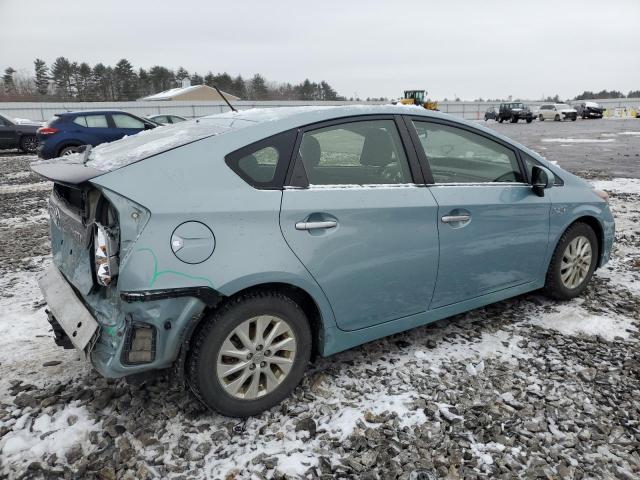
(562, 106)
(517, 105)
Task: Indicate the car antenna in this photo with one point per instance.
(224, 98)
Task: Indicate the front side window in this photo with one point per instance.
(355, 153)
(456, 155)
(125, 121)
(96, 121)
(530, 162)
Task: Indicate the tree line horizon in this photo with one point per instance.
(79, 81)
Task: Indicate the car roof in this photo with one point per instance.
(250, 126)
(90, 112)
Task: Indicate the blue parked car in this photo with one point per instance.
(236, 246)
(65, 133)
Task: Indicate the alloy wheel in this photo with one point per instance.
(576, 262)
(31, 144)
(256, 357)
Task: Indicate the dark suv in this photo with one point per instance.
(589, 110)
(65, 133)
(513, 112)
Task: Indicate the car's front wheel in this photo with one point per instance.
(573, 262)
(29, 144)
(250, 354)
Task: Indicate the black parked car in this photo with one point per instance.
(513, 112)
(589, 110)
(18, 135)
(491, 113)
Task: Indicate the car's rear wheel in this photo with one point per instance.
(250, 354)
(29, 144)
(541, 118)
(529, 119)
(573, 262)
(69, 151)
(573, 119)
(557, 118)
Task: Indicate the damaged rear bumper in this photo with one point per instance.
(140, 332)
(67, 314)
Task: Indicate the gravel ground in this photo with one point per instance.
(526, 388)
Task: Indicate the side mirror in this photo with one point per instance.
(541, 179)
(149, 126)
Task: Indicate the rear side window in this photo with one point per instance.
(355, 153)
(264, 164)
(91, 121)
(456, 155)
(125, 121)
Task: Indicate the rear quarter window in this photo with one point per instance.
(264, 164)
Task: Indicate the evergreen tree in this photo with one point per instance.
(181, 74)
(7, 80)
(42, 76)
(83, 79)
(306, 90)
(197, 79)
(144, 83)
(62, 73)
(258, 88)
(161, 78)
(238, 88)
(125, 81)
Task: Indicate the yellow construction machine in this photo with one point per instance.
(416, 97)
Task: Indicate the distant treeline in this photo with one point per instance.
(79, 81)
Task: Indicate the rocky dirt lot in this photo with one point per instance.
(525, 388)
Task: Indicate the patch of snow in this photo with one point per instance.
(629, 133)
(26, 121)
(48, 433)
(619, 185)
(344, 422)
(579, 140)
(571, 319)
(25, 187)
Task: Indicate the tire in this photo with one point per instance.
(529, 119)
(68, 150)
(562, 289)
(541, 118)
(557, 118)
(29, 144)
(514, 119)
(573, 119)
(500, 119)
(207, 369)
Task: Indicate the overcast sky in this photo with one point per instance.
(489, 48)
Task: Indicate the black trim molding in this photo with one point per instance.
(206, 294)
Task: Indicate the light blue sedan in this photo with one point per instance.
(237, 246)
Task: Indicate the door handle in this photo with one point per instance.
(456, 218)
(316, 225)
